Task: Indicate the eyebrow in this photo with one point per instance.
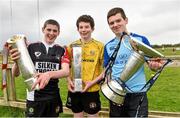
(52, 30)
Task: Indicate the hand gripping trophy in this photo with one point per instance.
(115, 90)
(25, 63)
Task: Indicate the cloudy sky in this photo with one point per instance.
(158, 20)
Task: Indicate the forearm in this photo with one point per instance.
(57, 74)
(89, 84)
(69, 79)
(64, 72)
(98, 79)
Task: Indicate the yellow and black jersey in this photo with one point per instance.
(91, 62)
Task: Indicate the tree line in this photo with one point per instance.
(166, 45)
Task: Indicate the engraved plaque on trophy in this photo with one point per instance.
(77, 53)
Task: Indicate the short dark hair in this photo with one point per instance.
(116, 10)
(85, 18)
(52, 22)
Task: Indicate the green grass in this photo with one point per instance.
(163, 96)
(17, 112)
(11, 112)
(168, 51)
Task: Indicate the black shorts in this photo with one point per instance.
(129, 108)
(50, 108)
(88, 102)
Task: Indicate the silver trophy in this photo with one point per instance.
(25, 63)
(114, 90)
(76, 63)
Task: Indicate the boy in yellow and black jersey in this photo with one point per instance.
(87, 100)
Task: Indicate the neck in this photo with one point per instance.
(119, 35)
(46, 42)
(86, 40)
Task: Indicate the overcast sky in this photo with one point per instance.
(158, 20)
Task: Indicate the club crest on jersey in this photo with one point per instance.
(92, 52)
(112, 48)
(58, 57)
(37, 54)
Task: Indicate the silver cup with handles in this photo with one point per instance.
(114, 90)
(25, 63)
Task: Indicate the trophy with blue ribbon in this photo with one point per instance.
(114, 90)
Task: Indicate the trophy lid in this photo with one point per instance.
(15, 38)
(147, 50)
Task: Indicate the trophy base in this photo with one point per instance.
(29, 82)
(78, 85)
(113, 92)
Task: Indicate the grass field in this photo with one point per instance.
(168, 51)
(11, 112)
(163, 96)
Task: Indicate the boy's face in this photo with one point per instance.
(85, 30)
(117, 24)
(50, 33)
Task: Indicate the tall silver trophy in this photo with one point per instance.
(76, 63)
(112, 89)
(25, 63)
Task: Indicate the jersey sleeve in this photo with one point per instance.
(106, 57)
(145, 41)
(65, 57)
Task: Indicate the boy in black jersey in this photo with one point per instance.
(51, 62)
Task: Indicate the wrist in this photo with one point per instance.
(49, 75)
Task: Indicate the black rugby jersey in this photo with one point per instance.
(46, 61)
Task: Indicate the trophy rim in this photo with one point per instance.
(147, 50)
(15, 38)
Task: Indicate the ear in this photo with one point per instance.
(59, 32)
(126, 20)
(43, 29)
(77, 29)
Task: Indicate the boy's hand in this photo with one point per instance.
(87, 84)
(14, 53)
(42, 80)
(155, 64)
(70, 86)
